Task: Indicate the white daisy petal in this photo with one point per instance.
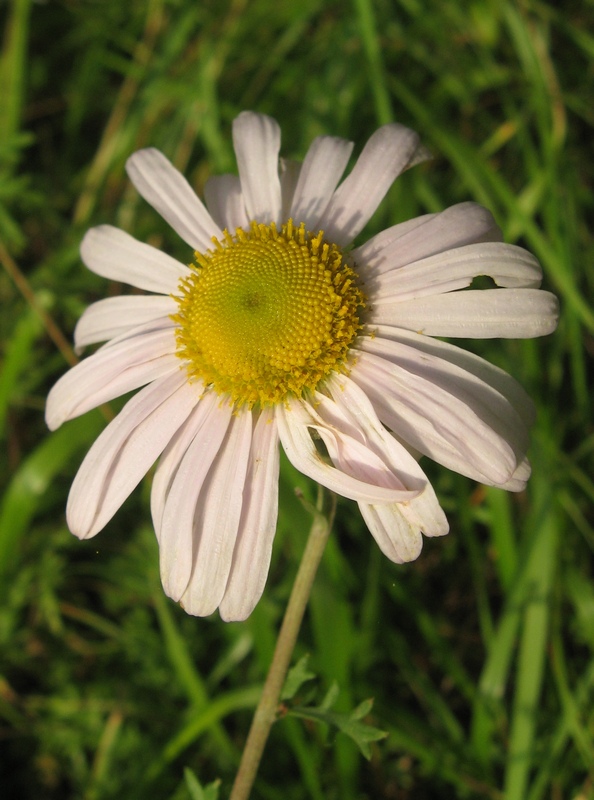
(469, 362)
(110, 372)
(173, 454)
(132, 335)
(116, 255)
(517, 482)
(355, 459)
(115, 316)
(475, 314)
(396, 527)
(217, 518)
(179, 542)
(253, 549)
(489, 405)
(392, 149)
(289, 177)
(416, 239)
(333, 413)
(425, 513)
(224, 201)
(424, 510)
(396, 537)
(169, 193)
(322, 168)
(294, 425)
(124, 452)
(435, 422)
(256, 139)
(509, 266)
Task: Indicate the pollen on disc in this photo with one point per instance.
(267, 313)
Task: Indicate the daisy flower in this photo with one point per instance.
(279, 331)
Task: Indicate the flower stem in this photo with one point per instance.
(265, 713)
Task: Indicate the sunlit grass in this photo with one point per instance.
(479, 656)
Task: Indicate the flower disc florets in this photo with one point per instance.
(267, 313)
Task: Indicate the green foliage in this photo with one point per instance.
(296, 677)
(197, 792)
(350, 724)
(480, 655)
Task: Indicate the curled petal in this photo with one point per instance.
(423, 511)
(362, 475)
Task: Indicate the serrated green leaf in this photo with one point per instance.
(330, 698)
(349, 724)
(363, 709)
(298, 675)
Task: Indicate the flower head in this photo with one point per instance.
(278, 332)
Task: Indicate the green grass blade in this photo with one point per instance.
(33, 478)
(533, 645)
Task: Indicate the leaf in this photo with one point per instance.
(363, 709)
(331, 697)
(349, 724)
(33, 478)
(197, 791)
(17, 360)
(298, 675)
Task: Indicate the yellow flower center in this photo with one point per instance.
(267, 313)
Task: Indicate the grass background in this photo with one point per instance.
(479, 655)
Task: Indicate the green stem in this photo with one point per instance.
(265, 713)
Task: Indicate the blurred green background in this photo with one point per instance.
(480, 655)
